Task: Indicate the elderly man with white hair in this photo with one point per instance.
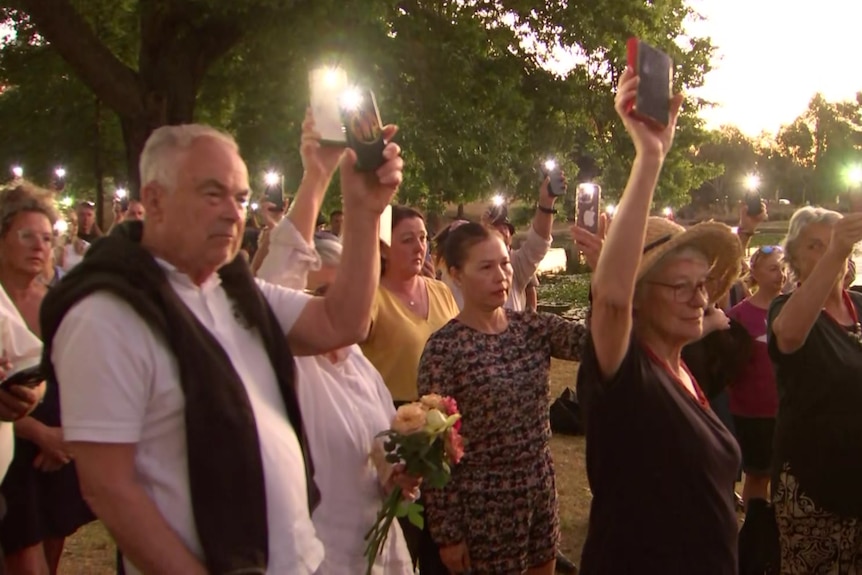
(176, 372)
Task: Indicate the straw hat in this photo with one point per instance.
(714, 240)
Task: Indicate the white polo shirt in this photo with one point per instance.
(119, 383)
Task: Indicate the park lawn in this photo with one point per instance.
(91, 551)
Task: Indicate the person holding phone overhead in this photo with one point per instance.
(646, 416)
(815, 342)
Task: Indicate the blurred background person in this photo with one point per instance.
(88, 229)
(336, 220)
(41, 487)
(754, 394)
(70, 247)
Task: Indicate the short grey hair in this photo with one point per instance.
(159, 160)
(329, 251)
(802, 218)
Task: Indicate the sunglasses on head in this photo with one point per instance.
(766, 250)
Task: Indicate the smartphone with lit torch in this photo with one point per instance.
(587, 215)
(551, 170)
(363, 128)
(327, 86)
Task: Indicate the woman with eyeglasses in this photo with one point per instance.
(41, 488)
(815, 342)
(659, 461)
(754, 395)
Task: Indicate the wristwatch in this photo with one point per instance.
(545, 210)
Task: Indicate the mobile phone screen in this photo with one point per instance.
(364, 129)
(588, 198)
(327, 85)
(655, 70)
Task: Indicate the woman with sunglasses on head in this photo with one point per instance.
(659, 461)
(754, 395)
(815, 342)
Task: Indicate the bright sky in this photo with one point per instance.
(774, 55)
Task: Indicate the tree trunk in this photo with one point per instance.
(98, 167)
(460, 211)
(178, 44)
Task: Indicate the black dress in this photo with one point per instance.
(41, 505)
(660, 464)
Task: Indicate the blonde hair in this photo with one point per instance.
(165, 146)
(25, 197)
(802, 218)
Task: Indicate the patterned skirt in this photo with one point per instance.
(813, 541)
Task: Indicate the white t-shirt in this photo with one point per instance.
(23, 349)
(120, 384)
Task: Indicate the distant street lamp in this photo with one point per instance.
(18, 171)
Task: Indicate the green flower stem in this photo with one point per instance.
(378, 534)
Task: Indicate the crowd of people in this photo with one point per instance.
(214, 399)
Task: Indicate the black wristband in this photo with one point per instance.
(545, 210)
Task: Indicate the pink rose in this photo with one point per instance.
(453, 445)
(409, 419)
(450, 406)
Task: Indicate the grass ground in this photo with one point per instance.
(91, 550)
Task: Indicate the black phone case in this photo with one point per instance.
(654, 90)
(30, 377)
(364, 131)
(275, 197)
(753, 202)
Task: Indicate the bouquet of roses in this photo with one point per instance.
(424, 438)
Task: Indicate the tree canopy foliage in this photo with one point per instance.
(468, 82)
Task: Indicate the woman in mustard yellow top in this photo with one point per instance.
(408, 308)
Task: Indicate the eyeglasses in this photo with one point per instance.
(31, 238)
(684, 292)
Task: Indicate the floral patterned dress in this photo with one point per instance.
(502, 498)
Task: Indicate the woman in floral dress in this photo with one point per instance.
(498, 514)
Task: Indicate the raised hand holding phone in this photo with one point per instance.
(556, 180)
(363, 128)
(372, 191)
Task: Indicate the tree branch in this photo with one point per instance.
(69, 34)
